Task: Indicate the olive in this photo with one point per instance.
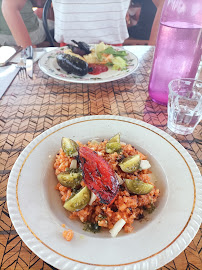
(130, 164)
(69, 147)
(113, 144)
(78, 201)
(70, 178)
(138, 187)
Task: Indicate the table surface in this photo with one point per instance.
(32, 106)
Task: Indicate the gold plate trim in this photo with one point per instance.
(105, 265)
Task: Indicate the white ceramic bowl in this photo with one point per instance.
(37, 214)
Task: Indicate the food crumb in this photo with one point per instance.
(50, 156)
(63, 225)
(68, 235)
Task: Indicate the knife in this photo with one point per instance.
(29, 61)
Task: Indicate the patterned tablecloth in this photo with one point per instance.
(30, 107)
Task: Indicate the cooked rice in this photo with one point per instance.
(126, 206)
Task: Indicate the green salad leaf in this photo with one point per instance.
(119, 63)
(109, 64)
(111, 50)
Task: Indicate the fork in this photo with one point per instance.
(22, 66)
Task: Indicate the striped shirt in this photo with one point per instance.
(91, 21)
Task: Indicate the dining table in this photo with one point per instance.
(29, 107)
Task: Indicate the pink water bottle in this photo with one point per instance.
(178, 48)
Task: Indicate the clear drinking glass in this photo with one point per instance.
(184, 105)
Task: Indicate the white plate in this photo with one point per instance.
(48, 65)
(37, 214)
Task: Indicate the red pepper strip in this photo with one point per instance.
(98, 175)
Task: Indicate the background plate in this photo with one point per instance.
(48, 65)
(37, 213)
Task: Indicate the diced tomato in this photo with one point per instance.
(97, 68)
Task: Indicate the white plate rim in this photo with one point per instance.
(159, 259)
(93, 81)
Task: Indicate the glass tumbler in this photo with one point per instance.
(184, 105)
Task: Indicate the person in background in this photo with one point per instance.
(133, 14)
(90, 22)
(21, 26)
(143, 27)
(148, 23)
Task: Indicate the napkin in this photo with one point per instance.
(7, 74)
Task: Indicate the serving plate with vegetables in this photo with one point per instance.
(50, 190)
(83, 63)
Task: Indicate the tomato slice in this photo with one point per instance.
(97, 68)
(98, 175)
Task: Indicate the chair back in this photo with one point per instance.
(49, 37)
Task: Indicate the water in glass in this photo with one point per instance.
(184, 105)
